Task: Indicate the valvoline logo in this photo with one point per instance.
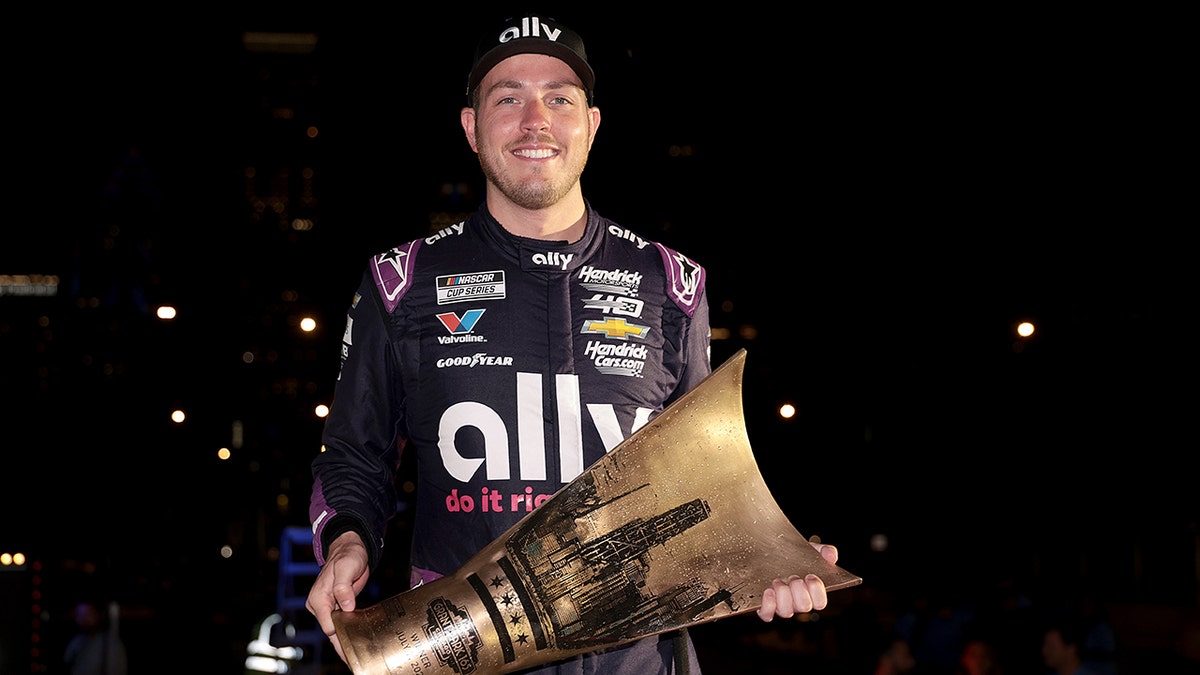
(459, 325)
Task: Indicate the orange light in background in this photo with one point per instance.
(165, 312)
(1025, 328)
(308, 324)
(224, 453)
(787, 411)
(321, 410)
(178, 416)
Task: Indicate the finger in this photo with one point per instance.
(319, 605)
(815, 591)
(785, 596)
(766, 611)
(337, 646)
(343, 596)
(829, 553)
(797, 592)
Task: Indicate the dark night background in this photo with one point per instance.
(879, 198)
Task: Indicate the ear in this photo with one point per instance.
(467, 117)
(593, 124)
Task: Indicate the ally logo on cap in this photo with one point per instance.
(531, 26)
(531, 34)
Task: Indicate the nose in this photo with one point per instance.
(535, 117)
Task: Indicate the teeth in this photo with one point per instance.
(534, 154)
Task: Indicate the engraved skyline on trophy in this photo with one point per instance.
(674, 527)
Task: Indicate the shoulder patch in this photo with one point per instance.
(684, 279)
(393, 272)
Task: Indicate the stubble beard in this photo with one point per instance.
(534, 193)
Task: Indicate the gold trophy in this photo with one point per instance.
(634, 546)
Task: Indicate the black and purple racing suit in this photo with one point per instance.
(508, 365)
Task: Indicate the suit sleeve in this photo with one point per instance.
(354, 476)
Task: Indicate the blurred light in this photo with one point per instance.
(165, 312)
(311, 132)
(264, 657)
(720, 333)
(279, 43)
(1025, 329)
(266, 664)
(177, 416)
(879, 542)
(247, 357)
(308, 324)
(28, 284)
(787, 411)
(224, 453)
(282, 501)
(322, 410)
(226, 551)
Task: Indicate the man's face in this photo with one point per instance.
(532, 130)
(87, 616)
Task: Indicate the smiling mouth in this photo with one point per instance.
(541, 153)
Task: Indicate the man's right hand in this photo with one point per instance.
(339, 582)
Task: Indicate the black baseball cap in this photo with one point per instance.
(530, 35)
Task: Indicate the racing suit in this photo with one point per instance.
(508, 365)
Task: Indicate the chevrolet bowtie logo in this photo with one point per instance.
(615, 328)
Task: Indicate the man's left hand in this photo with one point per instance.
(795, 594)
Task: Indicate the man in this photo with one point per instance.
(1062, 648)
(510, 351)
(97, 648)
